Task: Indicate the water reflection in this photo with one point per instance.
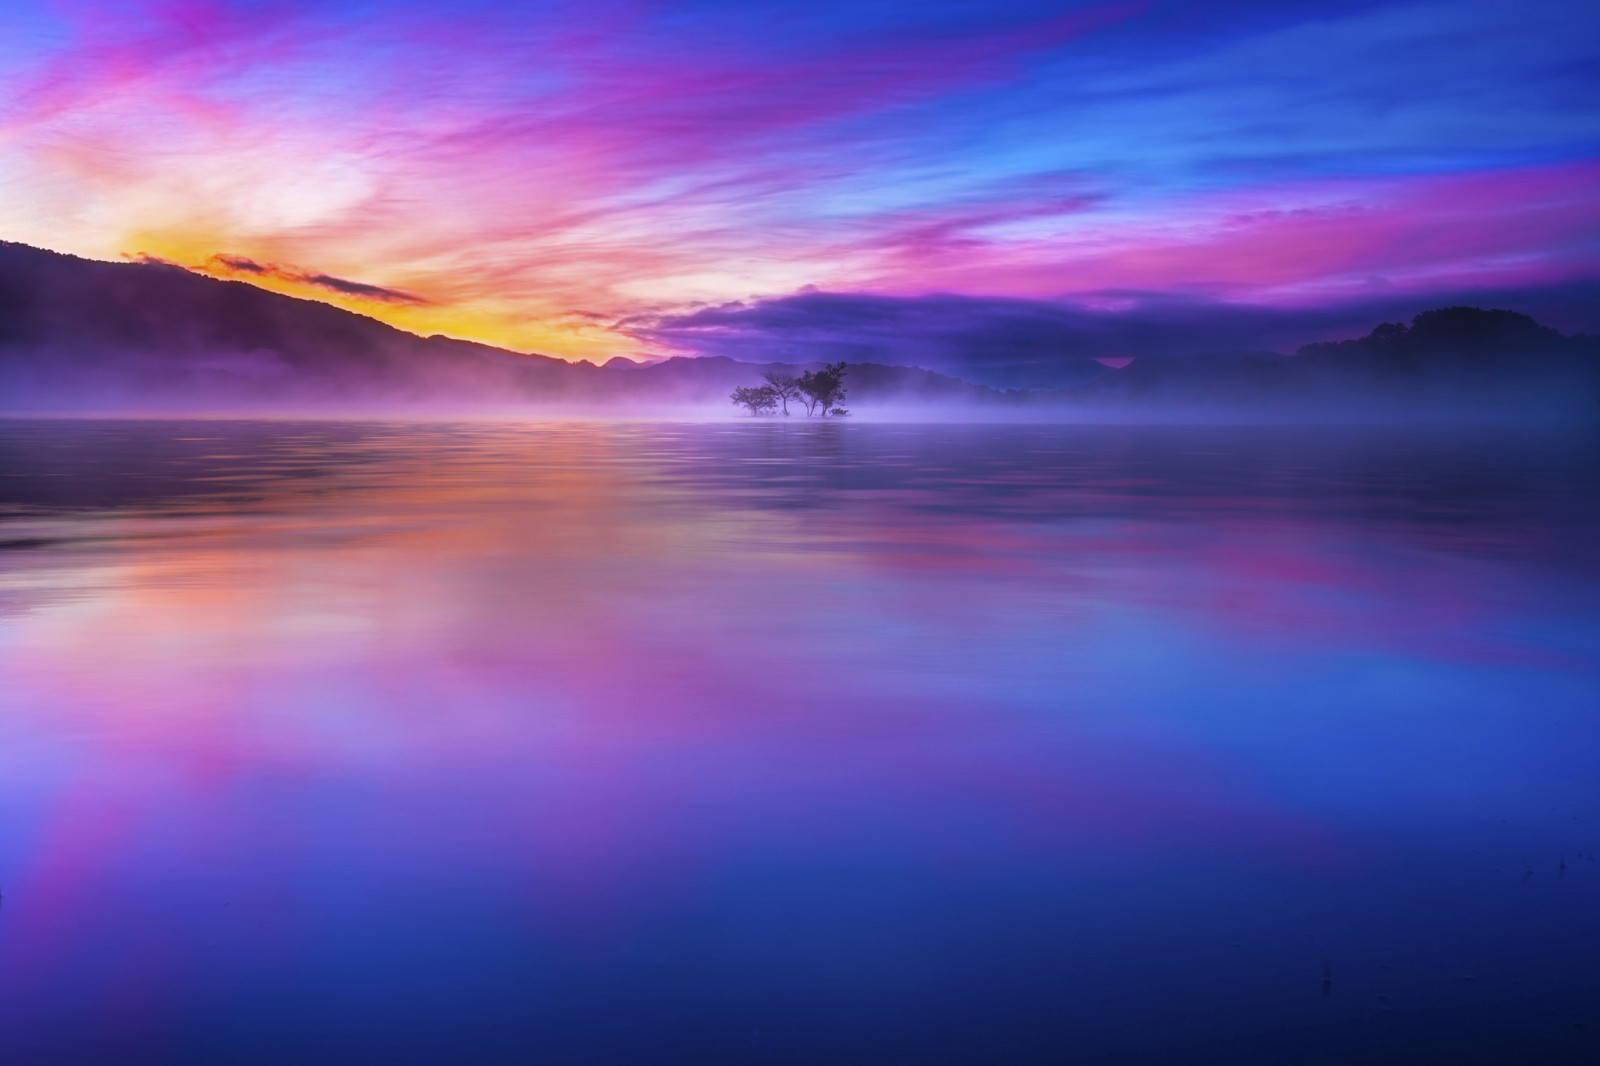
(794, 743)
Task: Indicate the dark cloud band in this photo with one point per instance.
(1030, 343)
(239, 264)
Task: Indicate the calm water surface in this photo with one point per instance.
(796, 743)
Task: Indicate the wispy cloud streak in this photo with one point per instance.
(489, 172)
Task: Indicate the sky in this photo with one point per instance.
(593, 178)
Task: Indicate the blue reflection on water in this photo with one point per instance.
(781, 743)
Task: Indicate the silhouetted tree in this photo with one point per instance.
(783, 386)
(757, 399)
(1387, 335)
(822, 390)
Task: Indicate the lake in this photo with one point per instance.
(797, 742)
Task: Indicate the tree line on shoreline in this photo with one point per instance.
(819, 391)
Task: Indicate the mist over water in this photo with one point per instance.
(797, 742)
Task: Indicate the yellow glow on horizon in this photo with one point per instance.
(504, 324)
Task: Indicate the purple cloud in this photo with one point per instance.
(1030, 343)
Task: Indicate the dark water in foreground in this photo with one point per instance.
(764, 743)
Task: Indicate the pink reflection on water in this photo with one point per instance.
(564, 680)
(627, 672)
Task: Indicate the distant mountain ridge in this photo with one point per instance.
(1453, 360)
(78, 334)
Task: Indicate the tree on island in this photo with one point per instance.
(823, 390)
(760, 399)
(783, 385)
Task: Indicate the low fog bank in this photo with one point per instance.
(85, 337)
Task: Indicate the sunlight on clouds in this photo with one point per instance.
(613, 161)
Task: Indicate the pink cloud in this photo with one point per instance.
(1306, 242)
(624, 159)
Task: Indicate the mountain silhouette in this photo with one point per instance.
(1454, 359)
(84, 335)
